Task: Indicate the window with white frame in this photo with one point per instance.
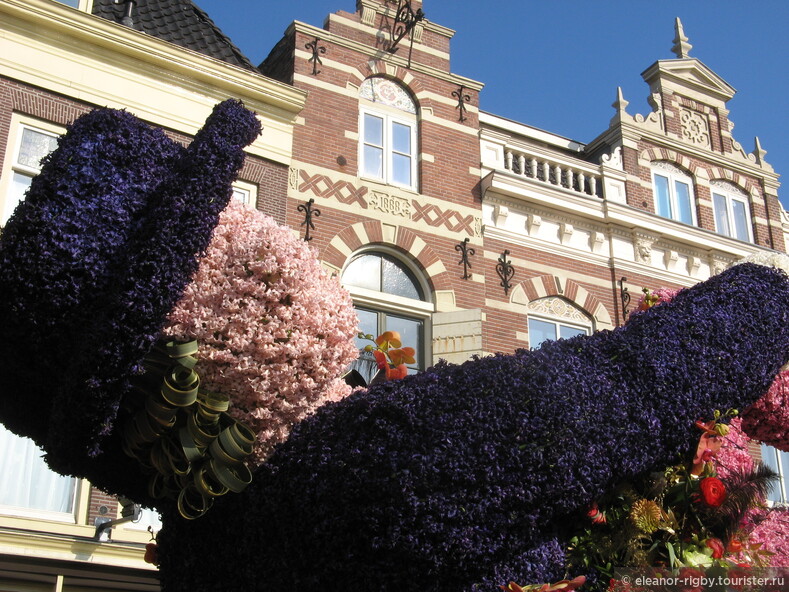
(246, 193)
(28, 143)
(83, 5)
(27, 486)
(732, 216)
(388, 296)
(673, 193)
(387, 133)
(553, 318)
(778, 461)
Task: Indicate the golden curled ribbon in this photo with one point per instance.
(184, 437)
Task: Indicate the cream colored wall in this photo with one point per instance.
(90, 59)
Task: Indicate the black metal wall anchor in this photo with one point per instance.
(465, 253)
(309, 212)
(315, 59)
(506, 271)
(624, 296)
(462, 98)
(404, 23)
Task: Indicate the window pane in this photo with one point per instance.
(740, 215)
(16, 193)
(565, 331)
(684, 207)
(401, 138)
(34, 146)
(410, 332)
(373, 130)
(721, 215)
(373, 161)
(540, 331)
(72, 3)
(401, 169)
(27, 482)
(241, 195)
(364, 272)
(397, 281)
(662, 200)
(368, 324)
(779, 462)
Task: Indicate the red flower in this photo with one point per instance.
(713, 491)
(596, 515)
(717, 547)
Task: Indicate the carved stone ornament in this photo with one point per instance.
(559, 308)
(642, 247)
(614, 159)
(695, 127)
(389, 204)
(293, 177)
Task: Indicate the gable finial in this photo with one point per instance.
(620, 104)
(681, 46)
(758, 151)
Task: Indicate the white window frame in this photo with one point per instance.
(79, 500)
(246, 193)
(82, 5)
(730, 193)
(673, 175)
(390, 117)
(12, 167)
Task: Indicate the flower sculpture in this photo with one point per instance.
(91, 264)
(465, 477)
(275, 332)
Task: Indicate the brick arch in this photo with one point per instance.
(744, 183)
(545, 285)
(352, 238)
(382, 68)
(672, 156)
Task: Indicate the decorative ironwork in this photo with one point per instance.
(462, 98)
(506, 271)
(465, 253)
(405, 22)
(315, 59)
(624, 296)
(309, 212)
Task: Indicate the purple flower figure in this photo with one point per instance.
(94, 259)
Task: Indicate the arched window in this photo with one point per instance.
(387, 133)
(553, 318)
(389, 295)
(730, 204)
(673, 190)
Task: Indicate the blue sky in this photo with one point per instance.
(556, 64)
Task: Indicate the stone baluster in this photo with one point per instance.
(508, 160)
(522, 164)
(533, 167)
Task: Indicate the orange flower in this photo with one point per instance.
(403, 355)
(388, 339)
